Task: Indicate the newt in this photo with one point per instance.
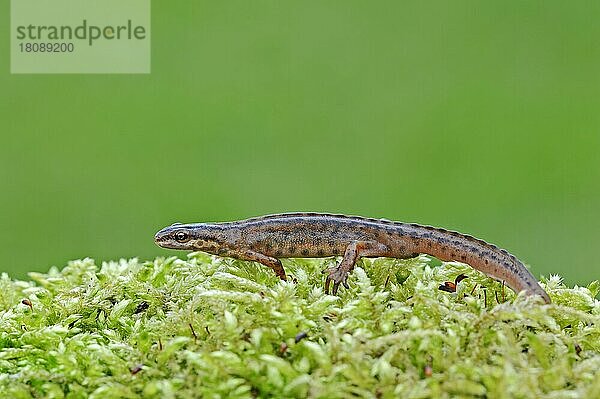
(267, 239)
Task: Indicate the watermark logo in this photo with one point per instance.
(80, 36)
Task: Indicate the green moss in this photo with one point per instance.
(219, 328)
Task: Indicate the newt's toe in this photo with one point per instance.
(338, 277)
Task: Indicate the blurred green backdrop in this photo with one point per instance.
(477, 116)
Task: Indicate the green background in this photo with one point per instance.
(481, 117)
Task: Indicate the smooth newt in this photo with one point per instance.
(265, 239)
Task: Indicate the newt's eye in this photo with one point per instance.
(181, 236)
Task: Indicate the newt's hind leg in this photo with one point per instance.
(268, 261)
(356, 249)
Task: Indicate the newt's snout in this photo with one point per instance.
(161, 237)
(158, 237)
(164, 238)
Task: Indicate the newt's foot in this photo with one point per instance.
(338, 276)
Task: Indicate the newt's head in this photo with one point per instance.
(175, 236)
(194, 237)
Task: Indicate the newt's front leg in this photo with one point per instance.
(268, 261)
(356, 249)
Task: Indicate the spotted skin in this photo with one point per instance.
(266, 239)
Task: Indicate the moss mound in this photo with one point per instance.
(207, 327)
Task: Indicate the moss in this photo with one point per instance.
(207, 327)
